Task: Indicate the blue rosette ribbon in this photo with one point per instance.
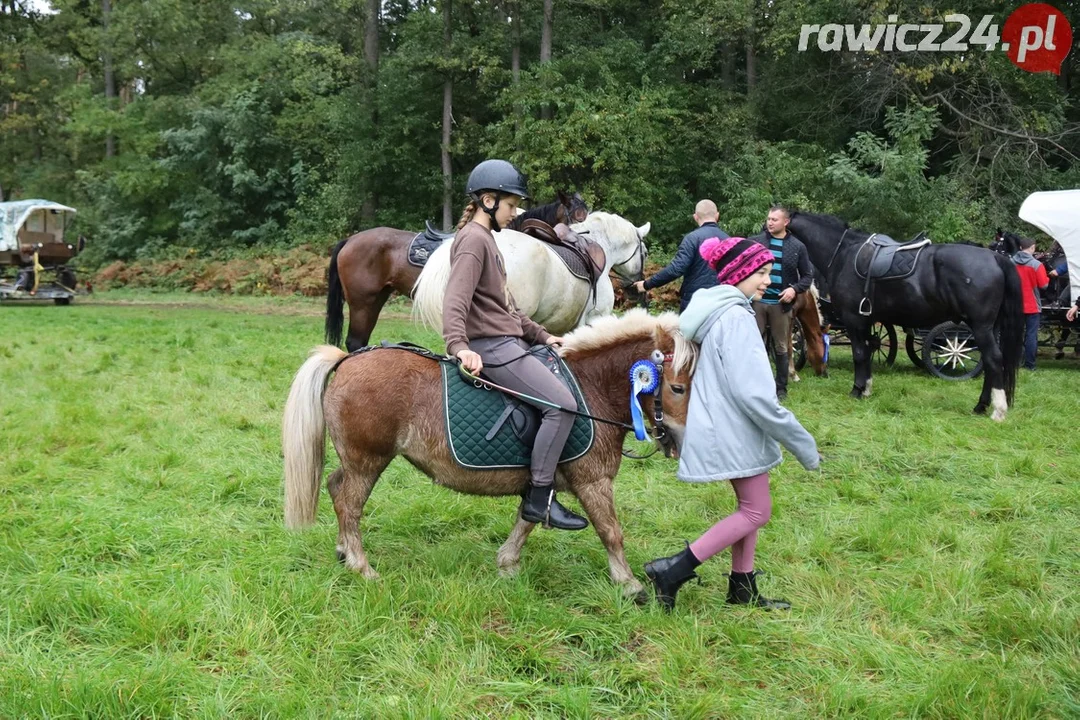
(644, 379)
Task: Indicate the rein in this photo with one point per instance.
(838, 245)
(658, 431)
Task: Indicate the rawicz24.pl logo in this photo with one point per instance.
(1036, 37)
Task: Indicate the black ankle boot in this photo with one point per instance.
(540, 506)
(671, 573)
(781, 375)
(742, 590)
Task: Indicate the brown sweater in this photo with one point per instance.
(477, 303)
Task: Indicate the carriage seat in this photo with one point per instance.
(433, 234)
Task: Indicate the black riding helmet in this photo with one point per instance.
(499, 177)
(496, 176)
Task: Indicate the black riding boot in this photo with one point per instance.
(742, 590)
(540, 506)
(781, 375)
(671, 573)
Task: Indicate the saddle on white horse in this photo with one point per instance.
(583, 257)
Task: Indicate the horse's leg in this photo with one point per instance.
(362, 317)
(598, 500)
(860, 354)
(510, 552)
(993, 390)
(349, 488)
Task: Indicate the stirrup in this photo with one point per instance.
(866, 307)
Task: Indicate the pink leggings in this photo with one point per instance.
(739, 530)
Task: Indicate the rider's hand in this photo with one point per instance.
(1071, 315)
(554, 340)
(788, 296)
(640, 286)
(470, 361)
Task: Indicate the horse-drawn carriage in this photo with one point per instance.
(948, 350)
(33, 244)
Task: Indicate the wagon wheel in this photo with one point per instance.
(798, 344)
(913, 344)
(949, 352)
(883, 344)
(1048, 335)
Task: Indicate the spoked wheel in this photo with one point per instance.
(798, 344)
(913, 344)
(883, 344)
(949, 352)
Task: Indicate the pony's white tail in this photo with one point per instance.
(303, 436)
(427, 294)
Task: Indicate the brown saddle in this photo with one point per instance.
(590, 256)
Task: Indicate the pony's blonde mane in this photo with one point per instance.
(636, 324)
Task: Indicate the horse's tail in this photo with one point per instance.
(1010, 325)
(427, 294)
(303, 436)
(335, 299)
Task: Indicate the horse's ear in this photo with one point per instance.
(644, 229)
(564, 199)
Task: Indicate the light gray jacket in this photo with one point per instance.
(734, 422)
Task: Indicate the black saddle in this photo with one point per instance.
(425, 243)
(433, 233)
(882, 258)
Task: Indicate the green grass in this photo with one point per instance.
(144, 570)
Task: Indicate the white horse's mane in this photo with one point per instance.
(636, 323)
(606, 224)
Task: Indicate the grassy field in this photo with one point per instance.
(144, 570)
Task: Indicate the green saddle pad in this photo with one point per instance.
(471, 413)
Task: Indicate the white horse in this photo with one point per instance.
(542, 286)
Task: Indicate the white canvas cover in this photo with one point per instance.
(1057, 213)
(14, 214)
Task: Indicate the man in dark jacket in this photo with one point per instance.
(687, 262)
(791, 275)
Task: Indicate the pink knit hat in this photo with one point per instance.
(734, 259)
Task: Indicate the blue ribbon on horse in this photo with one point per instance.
(825, 337)
(644, 379)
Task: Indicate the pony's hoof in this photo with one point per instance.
(509, 571)
(856, 393)
(642, 597)
(998, 415)
(980, 409)
(340, 556)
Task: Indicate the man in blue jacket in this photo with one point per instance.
(687, 262)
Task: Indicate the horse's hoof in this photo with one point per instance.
(643, 597)
(340, 556)
(980, 409)
(856, 393)
(509, 571)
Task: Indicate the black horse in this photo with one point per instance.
(948, 282)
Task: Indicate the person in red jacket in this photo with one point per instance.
(1033, 278)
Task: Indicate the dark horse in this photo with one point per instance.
(949, 282)
(366, 268)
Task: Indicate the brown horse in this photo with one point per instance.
(809, 317)
(366, 269)
(406, 389)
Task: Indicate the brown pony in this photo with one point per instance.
(407, 390)
(366, 268)
(809, 316)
